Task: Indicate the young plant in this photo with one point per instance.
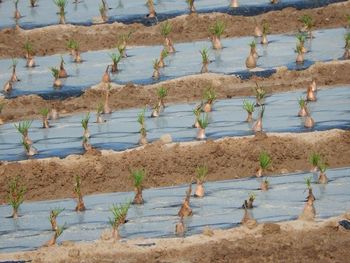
(45, 116)
(260, 94)
(120, 213)
(17, 14)
(74, 48)
(8, 86)
(62, 72)
(249, 107)
(138, 176)
(180, 227)
(78, 194)
(14, 75)
(307, 24)
(162, 93)
(201, 174)
(264, 163)
(185, 209)
(311, 95)
(58, 232)
(301, 41)
(85, 124)
(28, 47)
(152, 11)
(99, 112)
(347, 46)
(191, 6)
(197, 112)
(143, 133)
(303, 107)
(322, 178)
(308, 120)
(265, 31)
(106, 108)
(106, 78)
(53, 217)
(258, 125)
(122, 42)
(249, 203)
(163, 54)
(309, 188)
(56, 73)
(165, 30)
(156, 72)
(251, 60)
(15, 195)
(115, 60)
(29, 149)
(216, 31)
(264, 186)
(248, 220)
(203, 124)
(23, 128)
(103, 12)
(210, 97)
(205, 60)
(61, 4)
(300, 56)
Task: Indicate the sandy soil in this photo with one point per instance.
(53, 39)
(293, 241)
(184, 89)
(173, 164)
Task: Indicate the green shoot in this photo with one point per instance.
(164, 54)
(72, 44)
(61, 4)
(165, 29)
(119, 214)
(197, 111)
(347, 41)
(28, 47)
(15, 194)
(77, 186)
(307, 21)
(252, 196)
(138, 176)
(302, 102)
(156, 64)
(218, 28)
(201, 173)
(55, 213)
(205, 56)
(301, 38)
(259, 92)
(265, 28)
(264, 160)
(115, 58)
(322, 167)
(23, 127)
(14, 63)
(55, 72)
(308, 182)
(162, 93)
(209, 95)
(44, 112)
(141, 117)
(252, 44)
(99, 108)
(85, 121)
(203, 121)
(299, 49)
(248, 106)
(315, 159)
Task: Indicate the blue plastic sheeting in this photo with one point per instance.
(121, 131)
(135, 11)
(138, 68)
(220, 208)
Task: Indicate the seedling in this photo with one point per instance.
(45, 117)
(138, 177)
(191, 6)
(309, 211)
(248, 219)
(264, 186)
(205, 60)
(103, 12)
(257, 30)
(74, 46)
(249, 203)
(56, 73)
(185, 209)
(106, 108)
(86, 144)
(165, 30)
(106, 78)
(201, 174)
(99, 112)
(309, 188)
(61, 4)
(53, 216)
(17, 14)
(141, 121)
(122, 43)
(308, 120)
(311, 95)
(197, 112)
(156, 72)
(180, 227)
(28, 47)
(301, 41)
(78, 194)
(264, 163)
(15, 195)
(162, 93)
(249, 107)
(307, 24)
(152, 12)
(347, 46)
(203, 124)
(251, 60)
(23, 128)
(8, 86)
(300, 56)
(62, 73)
(260, 94)
(265, 31)
(84, 124)
(210, 97)
(258, 125)
(216, 31)
(29, 149)
(13, 66)
(115, 60)
(57, 234)
(303, 107)
(163, 54)
(120, 213)
(322, 178)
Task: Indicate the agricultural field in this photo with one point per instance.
(174, 131)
